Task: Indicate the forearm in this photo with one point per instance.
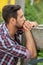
(30, 44)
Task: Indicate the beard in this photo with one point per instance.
(19, 26)
(19, 29)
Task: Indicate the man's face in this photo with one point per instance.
(20, 19)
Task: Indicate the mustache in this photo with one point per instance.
(19, 27)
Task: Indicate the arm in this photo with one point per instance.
(30, 44)
(12, 48)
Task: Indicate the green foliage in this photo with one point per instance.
(34, 12)
(1, 20)
(40, 55)
(30, 13)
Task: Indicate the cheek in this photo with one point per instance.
(20, 21)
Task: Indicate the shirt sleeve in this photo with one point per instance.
(13, 48)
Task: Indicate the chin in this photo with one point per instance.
(19, 27)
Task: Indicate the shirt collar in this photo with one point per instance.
(5, 28)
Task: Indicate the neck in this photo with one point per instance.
(12, 30)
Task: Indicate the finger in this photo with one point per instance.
(25, 28)
(28, 25)
(34, 24)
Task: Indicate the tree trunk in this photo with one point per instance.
(21, 3)
(31, 2)
(8, 2)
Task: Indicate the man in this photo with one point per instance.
(10, 48)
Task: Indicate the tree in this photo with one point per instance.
(8, 2)
(31, 2)
(21, 3)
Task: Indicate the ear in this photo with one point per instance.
(13, 20)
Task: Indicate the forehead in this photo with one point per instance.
(20, 12)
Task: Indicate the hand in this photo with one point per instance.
(27, 26)
(30, 44)
(34, 24)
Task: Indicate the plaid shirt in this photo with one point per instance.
(10, 49)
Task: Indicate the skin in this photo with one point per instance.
(26, 26)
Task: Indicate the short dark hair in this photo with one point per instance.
(9, 11)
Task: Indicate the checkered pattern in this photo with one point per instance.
(10, 50)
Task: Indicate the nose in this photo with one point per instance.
(24, 19)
